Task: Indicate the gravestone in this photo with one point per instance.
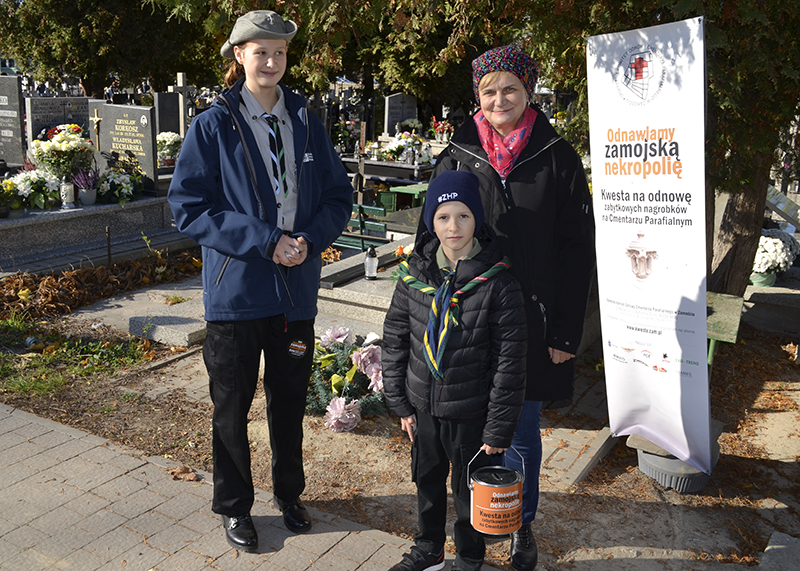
(783, 206)
(167, 112)
(125, 137)
(47, 112)
(12, 148)
(186, 108)
(321, 107)
(399, 107)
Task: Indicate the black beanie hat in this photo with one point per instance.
(461, 186)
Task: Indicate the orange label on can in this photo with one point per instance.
(496, 510)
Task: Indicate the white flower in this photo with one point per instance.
(776, 251)
(30, 181)
(116, 182)
(342, 417)
(371, 338)
(336, 334)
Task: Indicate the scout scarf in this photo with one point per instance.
(503, 151)
(444, 310)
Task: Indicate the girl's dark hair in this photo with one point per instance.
(234, 71)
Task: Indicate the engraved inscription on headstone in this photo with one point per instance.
(125, 138)
(47, 112)
(11, 121)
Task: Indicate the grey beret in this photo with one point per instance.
(258, 25)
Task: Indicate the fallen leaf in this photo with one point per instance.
(183, 473)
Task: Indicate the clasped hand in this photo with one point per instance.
(290, 251)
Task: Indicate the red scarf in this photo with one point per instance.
(503, 151)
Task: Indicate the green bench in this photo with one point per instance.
(358, 239)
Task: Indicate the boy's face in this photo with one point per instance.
(454, 225)
(264, 62)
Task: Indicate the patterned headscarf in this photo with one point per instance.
(506, 58)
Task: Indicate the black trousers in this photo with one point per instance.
(232, 351)
(437, 444)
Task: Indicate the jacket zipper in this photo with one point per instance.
(506, 196)
(253, 179)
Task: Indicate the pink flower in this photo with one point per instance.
(342, 417)
(366, 356)
(336, 334)
(375, 373)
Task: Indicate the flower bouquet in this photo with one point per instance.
(776, 253)
(86, 182)
(411, 125)
(347, 135)
(398, 148)
(63, 151)
(168, 145)
(37, 188)
(116, 186)
(441, 129)
(346, 380)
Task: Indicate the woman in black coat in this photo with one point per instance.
(536, 199)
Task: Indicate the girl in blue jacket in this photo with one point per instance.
(259, 186)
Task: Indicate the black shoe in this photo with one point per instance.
(419, 560)
(524, 554)
(295, 516)
(240, 532)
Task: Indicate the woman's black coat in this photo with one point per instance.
(543, 219)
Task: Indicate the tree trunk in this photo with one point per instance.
(737, 241)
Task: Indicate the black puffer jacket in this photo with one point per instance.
(543, 219)
(484, 362)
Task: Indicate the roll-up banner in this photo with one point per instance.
(646, 118)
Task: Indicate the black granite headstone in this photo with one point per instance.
(125, 138)
(12, 148)
(168, 112)
(47, 112)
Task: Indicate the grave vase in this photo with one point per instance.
(4, 210)
(763, 279)
(87, 196)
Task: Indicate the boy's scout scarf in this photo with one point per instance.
(444, 310)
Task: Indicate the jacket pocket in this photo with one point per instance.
(222, 270)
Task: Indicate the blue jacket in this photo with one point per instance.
(215, 203)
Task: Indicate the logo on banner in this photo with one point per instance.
(640, 74)
(642, 256)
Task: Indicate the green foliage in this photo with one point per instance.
(95, 41)
(334, 374)
(34, 361)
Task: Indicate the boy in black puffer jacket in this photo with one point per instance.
(453, 363)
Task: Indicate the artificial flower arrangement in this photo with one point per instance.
(411, 125)
(168, 145)
(346, 380)
(118, 186)
(347, 134)
(8, 195)
(35, 188)
(86, 178)
(402, 143)
(62, 150)
(441, 128)
(776, 251)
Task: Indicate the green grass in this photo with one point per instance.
(48, 362)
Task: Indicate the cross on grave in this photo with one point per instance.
(96, 124)
(638, 66)
(187, 106)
